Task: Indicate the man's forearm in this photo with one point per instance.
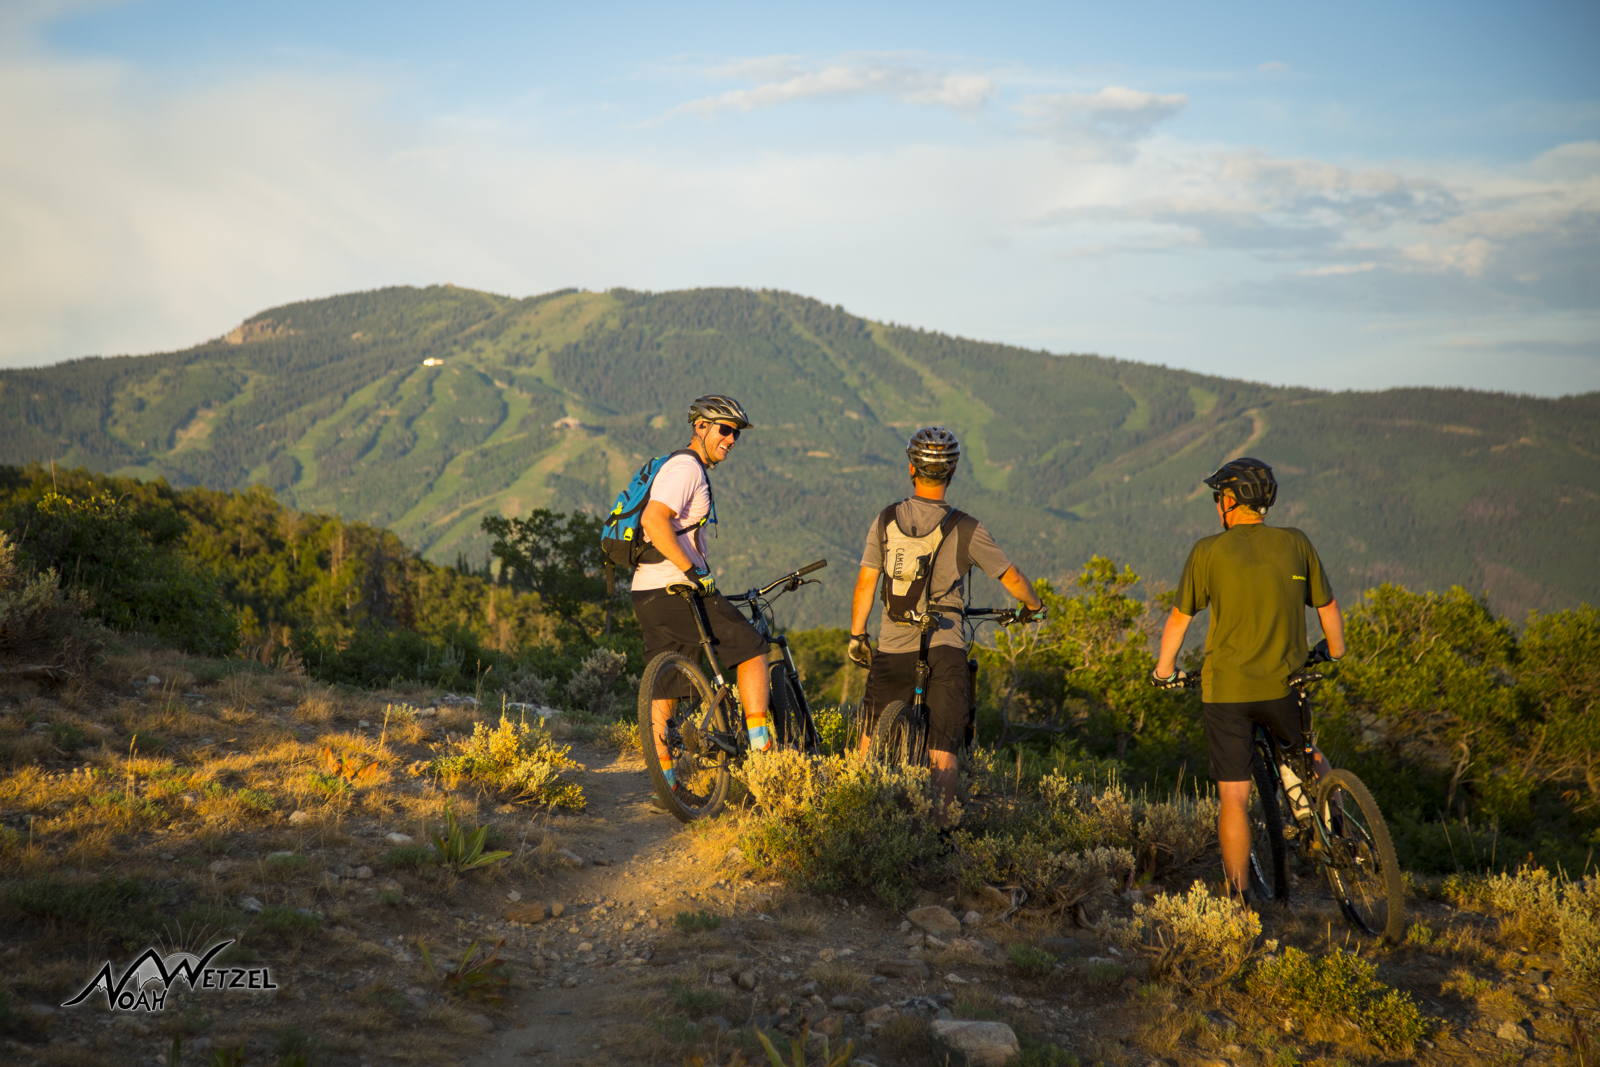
(1016, 583)
(1172, 642)
(861, 600)
(658, 524)
(1332, 620)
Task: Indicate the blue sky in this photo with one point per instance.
(1358, 197)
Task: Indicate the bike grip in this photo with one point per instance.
(817, 566)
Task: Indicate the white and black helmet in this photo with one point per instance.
(934, 453)
(718, 407)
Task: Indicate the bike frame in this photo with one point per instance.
(730, 737)
(927, 622)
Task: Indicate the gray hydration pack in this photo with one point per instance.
(908, 561)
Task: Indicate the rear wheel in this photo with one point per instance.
(1269, 852)
(1362, 869)
(691, 726)
(894, 736)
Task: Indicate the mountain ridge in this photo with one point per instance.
(426, 409)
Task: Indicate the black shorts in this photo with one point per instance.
(668, 624)
(894, 675)
(1231, 729)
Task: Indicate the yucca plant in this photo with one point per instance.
(797, 1051)
(484, 978)
(462, 850)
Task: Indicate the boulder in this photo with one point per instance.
(845, 1002)
(300, 818)
(934, 919)
(902, 968)
(976, 1044)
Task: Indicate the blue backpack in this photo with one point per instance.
(622, 537)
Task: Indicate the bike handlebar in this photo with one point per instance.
(809, 567)
(1003, 616)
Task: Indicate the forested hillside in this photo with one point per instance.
(423, 410)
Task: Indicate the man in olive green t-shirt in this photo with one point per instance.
(1257, 580)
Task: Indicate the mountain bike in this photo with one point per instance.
(900, 735)
(1335, 823)
(702, 724)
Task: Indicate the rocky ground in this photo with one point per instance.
(631, 938)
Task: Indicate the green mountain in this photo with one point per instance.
(425, 409)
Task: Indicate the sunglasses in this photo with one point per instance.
(725, 430)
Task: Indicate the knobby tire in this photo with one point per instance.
(701, 771)
(894, 737)
(1269, 852)
(1363, 871)
(786, 711)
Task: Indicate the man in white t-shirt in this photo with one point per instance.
(674, 524)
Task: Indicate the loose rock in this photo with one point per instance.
(480, 1022)
(556, 909)
(398, 839)
(902, 968)
(1513, 1032)
(300, 818)
(878, 1016)
(934, 919)
(531, 912)
(747, 979)
(976, 1044)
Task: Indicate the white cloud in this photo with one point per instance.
(1100, 123)
(1273, 66)
(137, 216)
(781, 80)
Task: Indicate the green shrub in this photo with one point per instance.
(842, 824)
(516, 758)
(1031, 962)
(411, 856)
(38, 619)
(133, 574)
(693, 1000)
(690, 921)
(67, 736)
(1199, 940)
(1321, 990)
(374, 656)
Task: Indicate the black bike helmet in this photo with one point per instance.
(1250, 481)
(718, 407)
(934, 453)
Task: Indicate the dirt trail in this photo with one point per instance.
(649, 872)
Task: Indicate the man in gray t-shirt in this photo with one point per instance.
(917, 523)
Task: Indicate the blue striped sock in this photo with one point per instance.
(671, 776)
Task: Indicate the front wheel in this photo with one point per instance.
(894, 737)
(1362, 869)
(682, 729)
(786, 711)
